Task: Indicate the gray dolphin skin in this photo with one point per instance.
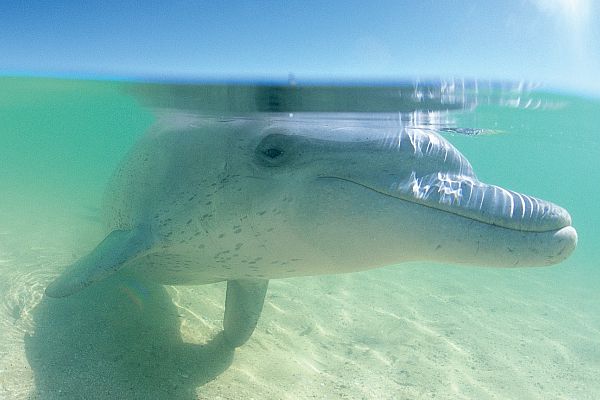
(201, 200)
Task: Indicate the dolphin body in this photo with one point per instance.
(244, 200)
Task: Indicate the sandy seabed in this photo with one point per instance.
(413, 331)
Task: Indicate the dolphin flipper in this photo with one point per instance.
(243, 305)
(107, 258)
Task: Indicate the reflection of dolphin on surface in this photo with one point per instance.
(247, 200)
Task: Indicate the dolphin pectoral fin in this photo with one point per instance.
(107, 258)
(243, 305)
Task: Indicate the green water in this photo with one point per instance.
(408, 331)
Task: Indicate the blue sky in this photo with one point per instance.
(554, 41)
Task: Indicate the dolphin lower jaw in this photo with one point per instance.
(467, 197)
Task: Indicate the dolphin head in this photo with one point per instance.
(364, 194)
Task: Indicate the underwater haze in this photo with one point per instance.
(410, 331)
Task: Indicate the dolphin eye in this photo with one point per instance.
(276, 150)
(273, 152)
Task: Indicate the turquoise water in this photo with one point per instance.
(407, 331)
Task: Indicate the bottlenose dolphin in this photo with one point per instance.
(244, 200)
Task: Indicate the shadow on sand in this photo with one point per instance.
(114, 342)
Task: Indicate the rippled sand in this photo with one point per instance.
(408, 332)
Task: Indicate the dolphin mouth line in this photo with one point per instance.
(547, 218)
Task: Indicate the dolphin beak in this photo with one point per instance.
(515, 228)
(484, 224)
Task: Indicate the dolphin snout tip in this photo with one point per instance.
(560, 217)
(566, 238)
